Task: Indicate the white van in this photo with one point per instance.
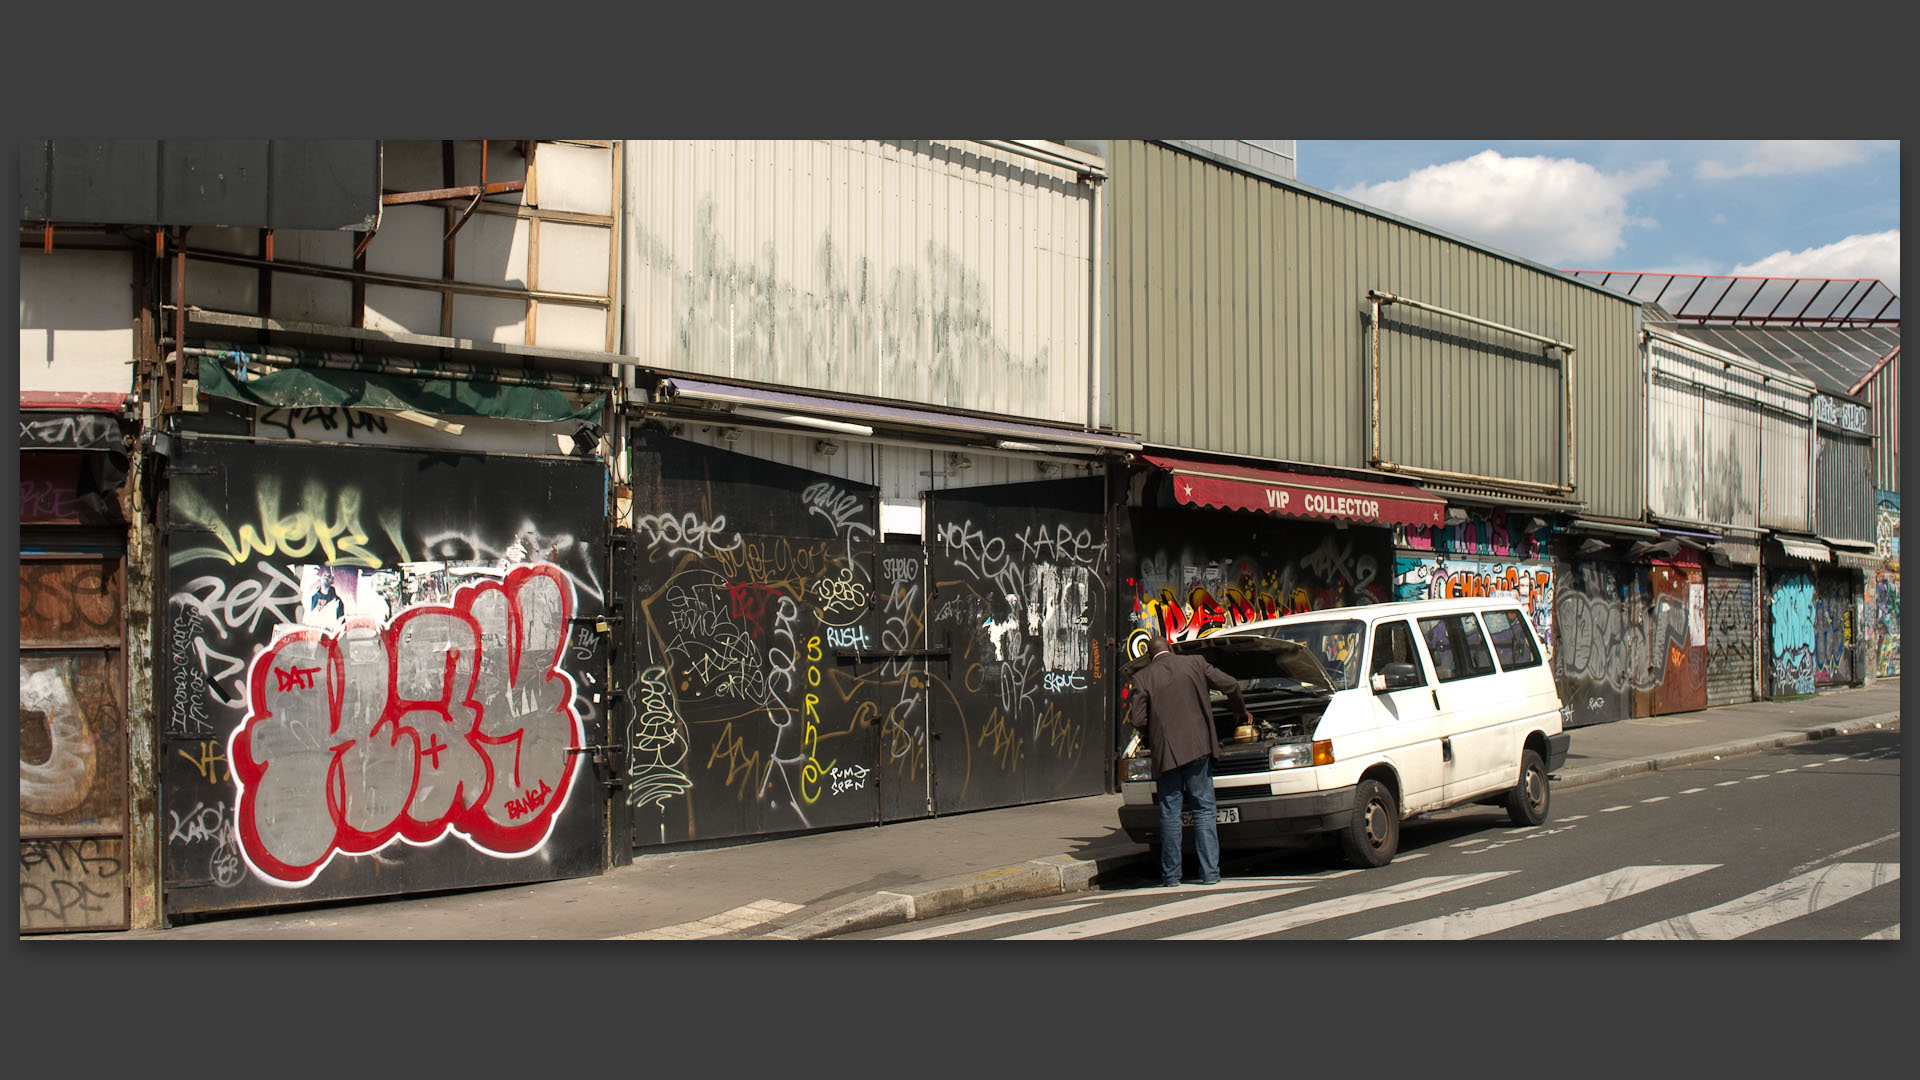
(1365, 716)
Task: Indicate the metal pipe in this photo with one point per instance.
(1082, 168)
(179, 317)
(1096, 369)
(468, 288)
(1389, 298)
(1373, 388)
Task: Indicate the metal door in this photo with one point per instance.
(73, 739)
(1833, 628)
(1021, 584)
(1678, 641)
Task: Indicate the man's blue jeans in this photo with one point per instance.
(1192, 782)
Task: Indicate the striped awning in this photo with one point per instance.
(1811, 550)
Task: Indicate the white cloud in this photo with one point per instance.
(1558, 211)
(1719, 219)
(1871, 255)
(1779, 157)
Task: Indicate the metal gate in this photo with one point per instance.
(1730, 637)
(1833, 628)
(1022, 585)
(73, 760)
(1677, 639)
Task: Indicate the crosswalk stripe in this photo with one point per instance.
(744, 917)
(1179, 909)
(985, 922)
(1789, 899)
(1891, 933)
(1580, 894)
(1279, 921)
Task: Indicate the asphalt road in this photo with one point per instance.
(1800, 843)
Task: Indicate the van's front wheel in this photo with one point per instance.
(1527, 802)
(1373, 835)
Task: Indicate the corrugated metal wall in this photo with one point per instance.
(1883, 396)
(1240, 326)
(1703, 437)
(1786, 433)
(1844, 486)
(942, 273)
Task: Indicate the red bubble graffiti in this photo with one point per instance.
(454, 720)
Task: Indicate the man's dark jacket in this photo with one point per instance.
(1169, 701)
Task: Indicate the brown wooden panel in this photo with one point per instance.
(70, 601)
(72, 743)
(73, 883)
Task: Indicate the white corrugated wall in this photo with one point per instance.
(938, 273)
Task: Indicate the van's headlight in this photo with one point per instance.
(1299, 755)
(1139, 768)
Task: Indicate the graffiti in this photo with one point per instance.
(1729, 639)
(328, 420)
(61, 780)
(686, 534)
(1057, 682)
(1886, 585)
(1489, 534)
(849, 778)
(849, 637)
(841, 593)
(1058, 543)
(1730, 497)
(1419, 579)
(1615, 643)
(48, 500)
(72, 883)
(898, 571)
(198, 825)
(69, 601)
(659, 744)
(452, 720)
(1832, 630)
(1001, 741)
(324, 524)
(1791, 609)
(810, 737)
(274, 596)
(838, 507)
(773, 560)
(208, 761)
(70, 431)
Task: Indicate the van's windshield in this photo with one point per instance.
(1336, 643)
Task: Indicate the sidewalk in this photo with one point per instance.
(828, 883)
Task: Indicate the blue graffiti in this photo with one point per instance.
(1791, 608)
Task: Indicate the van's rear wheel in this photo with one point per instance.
(1528, 801)
(1373, 835)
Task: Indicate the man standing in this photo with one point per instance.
(1170, 704)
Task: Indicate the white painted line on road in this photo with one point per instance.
(1693, 791)
(1579, 895)
(1779, 772)
(1843, 853)
(1611, 809)
(1891, 933)
(1759, 776)
(1410, 858)
(1842, 757)
(1726, 783)
(1230, 883)
(1129, 920)
(1656, 798)
(1816, 765)
(1279, 921)
(1468, 843)
(1772, 905)
(985, 922)
(1574, 817)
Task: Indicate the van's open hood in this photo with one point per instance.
(1251, 656)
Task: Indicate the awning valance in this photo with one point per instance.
(1853, 560)
(1811, 550)
(1288, 494)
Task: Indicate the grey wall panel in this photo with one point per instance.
(1283, 373)
(1844, 497)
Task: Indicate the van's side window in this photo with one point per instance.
(1393, 644)
(1512, 640)
(1458, 648)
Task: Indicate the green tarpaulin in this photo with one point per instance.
(322, 388)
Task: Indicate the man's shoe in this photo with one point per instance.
(1215, 881)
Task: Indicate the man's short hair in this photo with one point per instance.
(1157, 644)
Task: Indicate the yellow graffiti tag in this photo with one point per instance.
(337, 536)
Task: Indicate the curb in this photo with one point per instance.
(1053, 875)
(1614, 771)
(1057, 875)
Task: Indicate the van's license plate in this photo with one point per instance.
(1224, 815)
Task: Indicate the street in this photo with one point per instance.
(1800, 843)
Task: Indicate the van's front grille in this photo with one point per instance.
(1228, 794)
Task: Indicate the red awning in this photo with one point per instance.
(1243, 487)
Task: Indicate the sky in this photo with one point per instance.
(1769, 208)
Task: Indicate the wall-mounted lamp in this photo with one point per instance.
(1456, 516)
(732, 435)
(826, 447)
(959, 461)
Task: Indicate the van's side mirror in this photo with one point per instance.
(1395, 677)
